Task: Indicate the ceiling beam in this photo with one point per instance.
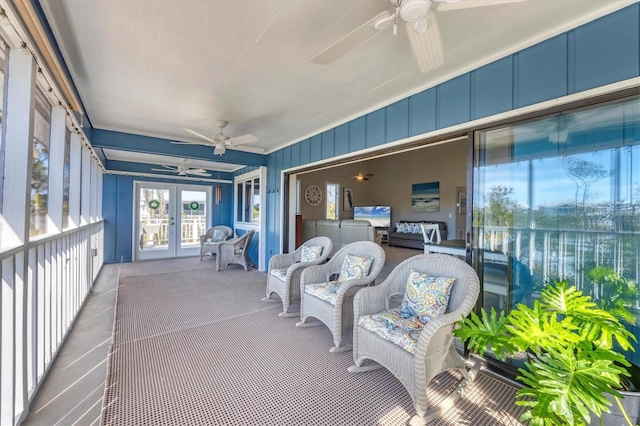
(108, 139)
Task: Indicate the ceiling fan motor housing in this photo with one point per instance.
(414, 10)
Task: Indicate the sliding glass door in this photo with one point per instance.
(559, 199)
(169, 219)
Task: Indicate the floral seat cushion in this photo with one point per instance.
(394, 326)
(279, 273)
(324, 291)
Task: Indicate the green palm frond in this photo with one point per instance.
(572, 362)
(486, 332)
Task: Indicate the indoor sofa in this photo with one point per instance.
(410, 238)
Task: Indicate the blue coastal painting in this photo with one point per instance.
(425, 197)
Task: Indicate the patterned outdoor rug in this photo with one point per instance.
(199, 347)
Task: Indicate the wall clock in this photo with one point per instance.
(313, 195)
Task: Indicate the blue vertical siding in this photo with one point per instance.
(375, 128)
(397, 121)
(357, 134)
(315, 148)
(601, 52)
(454, 101)
(341, 140)
(124, 218)
(542, 71)
(327, 144)
(492, 88)
(614, 43)
(422, 112)
(109, 214)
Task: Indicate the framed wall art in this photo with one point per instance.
(425, 197)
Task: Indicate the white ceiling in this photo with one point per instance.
(156, 67)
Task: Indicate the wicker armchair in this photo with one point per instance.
(212, 246)
(434, 351)
(336, 310)
(235, 251)
(285, 270)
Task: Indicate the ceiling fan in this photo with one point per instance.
(421, 25)
(183, 170)
(361, 176)
(221, 142)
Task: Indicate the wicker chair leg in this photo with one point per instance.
(364, 368)
(289, 314)
(343, 348)
(437, 410)
(303, 324)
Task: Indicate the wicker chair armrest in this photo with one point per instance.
(226, 247)
(369, 300)
(442, 324)
(281, 261)
(319, 273)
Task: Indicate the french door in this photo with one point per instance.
(169, 219)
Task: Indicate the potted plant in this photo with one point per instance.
(571, 362)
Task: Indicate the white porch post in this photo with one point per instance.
(14, 231)
(75, 179)
(56, 169)
(85, 198)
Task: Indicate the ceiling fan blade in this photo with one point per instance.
(355, 38)
(200, 135)
(246, 148)
(190, 143)
(241, 140)
(191, 172)
(427, 48)
(196, 171)
(467, 4)
(163, 170)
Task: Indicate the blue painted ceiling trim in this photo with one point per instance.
(126, 166)
(130, 142)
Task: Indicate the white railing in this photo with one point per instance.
(44, 285)
(191, 228)
(562, 254)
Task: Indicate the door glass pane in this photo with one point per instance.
(247, 202)
(559, 199)
(193, 219)
(154, 219)
(239, 199)
(332, 201)
(255, 207)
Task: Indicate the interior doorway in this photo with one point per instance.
(169, 219)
